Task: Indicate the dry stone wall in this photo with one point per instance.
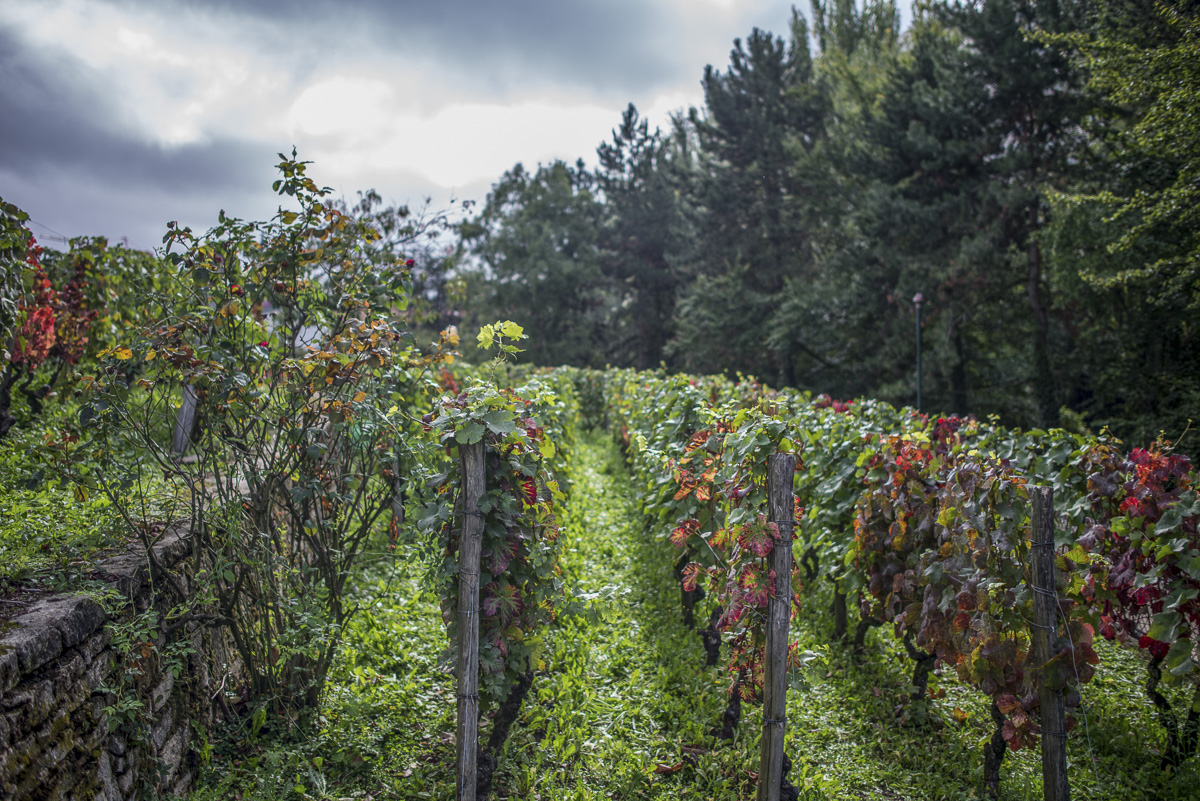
(61, 675)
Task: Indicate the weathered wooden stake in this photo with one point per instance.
(185, 422)
(1045, 612)
(781, 511)
(470, 544)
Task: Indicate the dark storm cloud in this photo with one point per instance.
(65, 157)
(53, 113)
(611, 46)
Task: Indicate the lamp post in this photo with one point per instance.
(918, 299)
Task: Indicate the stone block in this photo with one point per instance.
(162, 730)
(76, 617)
(17, 762)
(162, 693)
(69, 668)
(10, 669)
(35, 640)
(29, 705)
(108, 782)
(171, 756)
(95, 644)
(125, 781)
(100, 669)
(183, 785)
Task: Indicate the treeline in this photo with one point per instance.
(1029, 167)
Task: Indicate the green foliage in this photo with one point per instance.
(288, 341)
(49, 530)
(14, 243)
(519, 579)
(1027, 166)
(623, 706)
(641, 233)
(536, 245)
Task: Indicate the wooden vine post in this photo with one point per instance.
(469, 546)
(1045, 612)
(781, 511)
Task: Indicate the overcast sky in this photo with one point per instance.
(117, 116)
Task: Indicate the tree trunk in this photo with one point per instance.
(1172, 756)
(1045, 394)
(712, 637)
(6, 384)
(787, 791)
(860, 634)
(993, 755)
(839, 613)
(923, 664)
(688, 598)
(733, 714)
(1191, 727)
(502, 723)
(811, 563)
(958, 374)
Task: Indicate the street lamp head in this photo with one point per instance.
(918, 299)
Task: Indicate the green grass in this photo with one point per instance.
(622, 689)
(47, 530)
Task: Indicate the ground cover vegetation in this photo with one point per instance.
(1026, 166)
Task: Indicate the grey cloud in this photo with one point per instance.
(608, 46)
(60, 142)
(54, 113)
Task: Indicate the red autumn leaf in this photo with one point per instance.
(692, 572)
(756, 584)
(703, 492)
(756, 538)
(1008, 703)
(1089, 655)
(723, 538)
(503, 602)
(663, 768)
(530, 491)
(681, 533)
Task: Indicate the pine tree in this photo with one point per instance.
(750, 232)
(641, 227)
(537, 263)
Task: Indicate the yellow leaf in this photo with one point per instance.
(123, 353)
(511, 330)
(150, 354)
(359, 397)
(449, 358)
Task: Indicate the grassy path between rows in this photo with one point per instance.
(622, 706)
